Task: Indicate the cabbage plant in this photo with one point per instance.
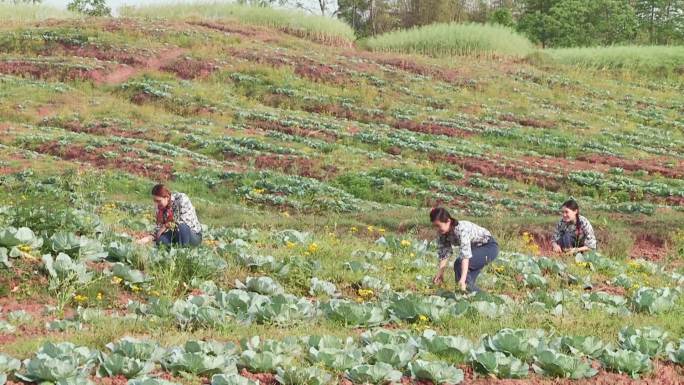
(499, 365)
(378, 374)
(437, 372)
(554, 364)
(625, 361)
(456, 348)
(654, 301)
(310, 375)
(7, 365)
(648, 340)
(202, 358)
(63, 363)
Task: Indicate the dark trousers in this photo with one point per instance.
(567, 240)
(482, 256)
(181, 235)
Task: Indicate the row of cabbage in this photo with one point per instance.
(379, 356)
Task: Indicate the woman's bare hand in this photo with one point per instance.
(438, 279)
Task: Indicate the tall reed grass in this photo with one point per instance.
(10, 12)
(317, 28)
(642, 58)
(453, 39)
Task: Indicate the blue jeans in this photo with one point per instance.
(568, 240)
(482, 256)
(181, 235)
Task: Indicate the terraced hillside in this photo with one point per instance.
(313, 164)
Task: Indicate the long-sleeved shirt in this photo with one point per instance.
(465, 235)
(586, 237)
(183, 212)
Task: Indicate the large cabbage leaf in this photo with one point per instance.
(436, 371)
(499, 365)
(378, 374)
(553, 364)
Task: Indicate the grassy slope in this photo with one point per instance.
(522, 117)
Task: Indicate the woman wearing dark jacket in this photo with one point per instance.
(176, 219)
(476, 244)
(574, 234)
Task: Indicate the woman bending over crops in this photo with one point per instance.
(477, 248)
(177, 221)
(574, 233)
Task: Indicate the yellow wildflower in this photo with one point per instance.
(365, 293)
(80, 298)
(25, 248)
(286, 214)
(423, 318)
(116, 280)
(381, 231)
(135, 288)
(405, 243)
(258, 191)
(312, 248)
(370, 229)
(99, 296)
(290, 245)
(354, 229)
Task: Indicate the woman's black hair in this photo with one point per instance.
(574, 206)
(441, 214)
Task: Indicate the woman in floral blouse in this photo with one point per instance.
(574, 233)
(476, 244)
(177, 221)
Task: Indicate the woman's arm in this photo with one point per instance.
(465, 263)
(555, 245)
(439, 277)
(466, 254)
(444, 252)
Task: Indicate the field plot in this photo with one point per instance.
(313, 164)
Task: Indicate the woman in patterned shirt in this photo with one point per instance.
(574, 233)
(177, 221)
(476, 244)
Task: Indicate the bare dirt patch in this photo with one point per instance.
(188, 68)
(432, 129)
(527, 121)
(127, 162)
(47, 71)
(297, 165)
(297, 131)
(653, 166)
(649, 246)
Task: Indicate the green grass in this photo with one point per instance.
(453, 39)
(28, 12)
(317, 28)
(663, 59)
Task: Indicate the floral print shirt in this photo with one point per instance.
(184, 212)
(586, 237)
(466, 235)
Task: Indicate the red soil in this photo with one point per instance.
(297, 165)
(302, 66)
(125, 72)
(45, 70)
(498, 168)
(411, 66)
(653, 166)
(95, 128)
(127, 162)
(321, 73)
(298, 131)
(187, 68)
(431, 128)
(116, 380)
(648, 246)
(529, 122)
(263, 378)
